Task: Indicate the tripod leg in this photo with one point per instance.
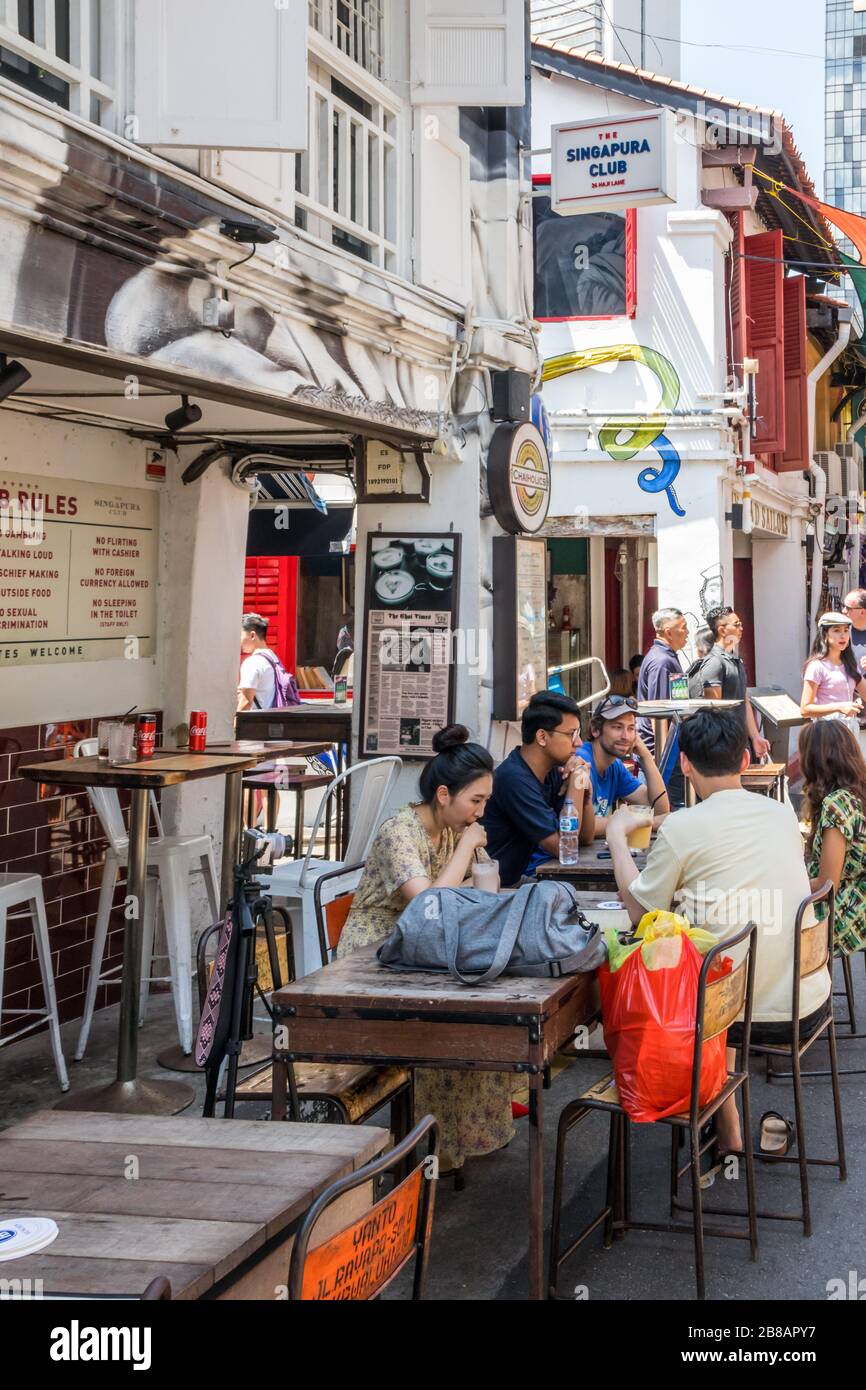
(212, 1074)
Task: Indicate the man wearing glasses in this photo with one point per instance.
(854, 608)
(723, 675)
(530, 787)
(614, 736)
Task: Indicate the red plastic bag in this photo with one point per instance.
(649, 1031)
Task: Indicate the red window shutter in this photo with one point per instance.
(631, 262)
(735, 283)
(765, 337)
(796, 454)
(270, 588)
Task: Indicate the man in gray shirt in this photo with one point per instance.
(723, 674)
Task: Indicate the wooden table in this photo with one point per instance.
(167, 769)
(313, 720)
(213, 1204)
(355, 1011)
(591, 871)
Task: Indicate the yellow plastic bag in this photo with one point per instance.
(658, 931)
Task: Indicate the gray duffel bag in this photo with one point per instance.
(476, 936)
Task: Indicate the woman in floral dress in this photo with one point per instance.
(434, 842)
(834, 804)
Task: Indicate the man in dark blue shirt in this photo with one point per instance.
(530, 786)
(660, 663)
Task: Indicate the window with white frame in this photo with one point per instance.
(63, 51)
(346, 179)
(355, 27)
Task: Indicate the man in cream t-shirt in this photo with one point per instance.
(734, 858)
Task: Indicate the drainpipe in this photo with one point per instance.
(842, 340)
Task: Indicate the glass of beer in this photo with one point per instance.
(640, 837)
(485, 875)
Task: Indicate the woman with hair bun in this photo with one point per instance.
(433, 843)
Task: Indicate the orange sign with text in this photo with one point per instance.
(358, 1261)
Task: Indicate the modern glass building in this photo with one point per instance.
(845, 183)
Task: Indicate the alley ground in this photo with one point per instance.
(479, 1237)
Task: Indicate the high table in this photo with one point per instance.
(312, 720)
(213, 1205)
(663, 712)
(355, 1011)
(128, 1093)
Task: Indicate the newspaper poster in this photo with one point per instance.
(411, 615)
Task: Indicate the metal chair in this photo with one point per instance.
(352, 1093)
(813, 946)
(23, 894)
(361, 1260)
(719, 1004)
(292, 882)
(171, 862)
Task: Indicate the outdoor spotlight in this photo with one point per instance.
(12, 376)
(247, 231)
(186, 414)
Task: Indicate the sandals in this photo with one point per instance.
(777, 1134)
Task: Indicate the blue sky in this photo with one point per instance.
(757, 61)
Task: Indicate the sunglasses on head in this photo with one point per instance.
(616, 702)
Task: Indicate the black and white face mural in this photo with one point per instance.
(122, 257)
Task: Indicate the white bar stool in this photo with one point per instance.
(171, 859)
(25, 891)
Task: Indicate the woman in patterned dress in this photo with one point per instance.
(834, 804)
(433, 843)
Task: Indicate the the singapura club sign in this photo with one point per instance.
(615, 162)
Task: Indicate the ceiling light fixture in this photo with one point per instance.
(13, 376)
(185, 414)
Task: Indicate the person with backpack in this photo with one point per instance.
(264, 681)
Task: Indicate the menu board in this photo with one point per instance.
(531, 603)
(78, 568)
(410, 620)
(519, 623)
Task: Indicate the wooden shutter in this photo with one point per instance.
(735, 284)
(216, 75)
(270, 588)
(765, 337)
(467, 52)
(796, 454)
(631, 263)
(441, 242)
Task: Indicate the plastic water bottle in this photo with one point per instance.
(569, 834)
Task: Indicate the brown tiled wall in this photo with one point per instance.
(45, 830)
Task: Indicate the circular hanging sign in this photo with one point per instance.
(518, 478)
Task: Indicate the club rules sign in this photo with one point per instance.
(77, 570)
(613, 163)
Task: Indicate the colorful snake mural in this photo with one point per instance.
(643, 434)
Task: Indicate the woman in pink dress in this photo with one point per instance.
(831, 678)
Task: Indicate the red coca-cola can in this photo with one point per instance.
(197, 730)
(145, 736)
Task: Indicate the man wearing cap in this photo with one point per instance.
(723, 675)
(832, 676)
(613, 736)
(854, 609)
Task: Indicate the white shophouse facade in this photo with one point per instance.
(138, 141)
(674, 547)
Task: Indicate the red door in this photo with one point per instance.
(744, 603)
